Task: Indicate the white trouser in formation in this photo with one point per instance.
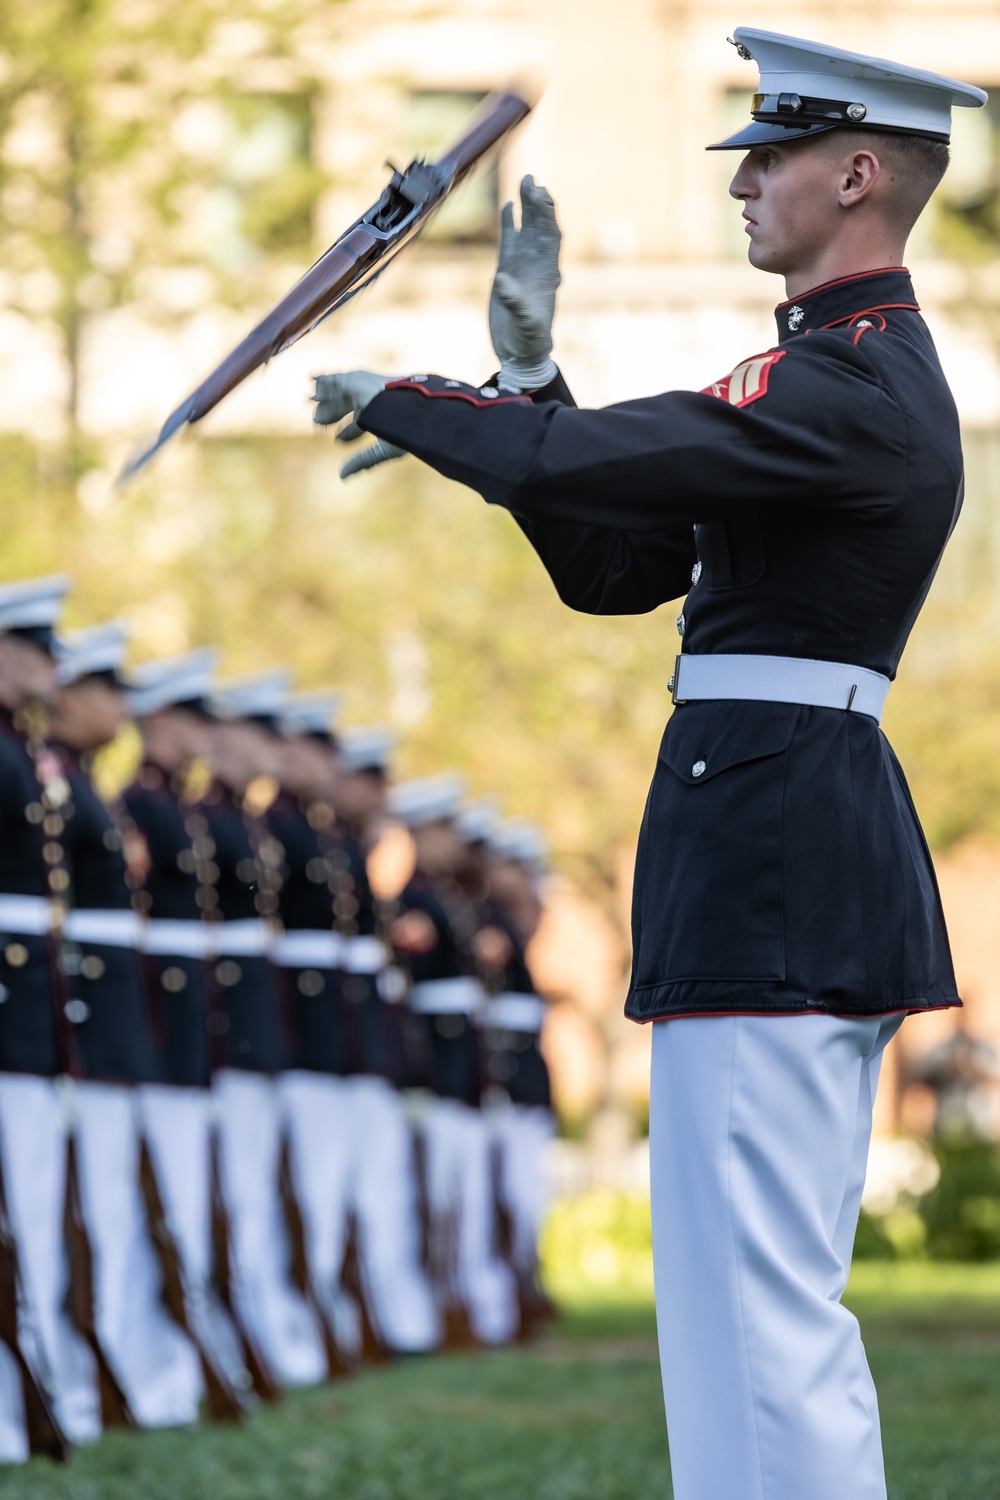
(521, 1133)
(177, 1127)
(155, 1363)
(759, 1131)
(460, 1197)
(384, 1198)
(33, 1157)
(266, 1301)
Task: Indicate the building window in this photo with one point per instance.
(964, 216)
(435, 119)
(266, 183)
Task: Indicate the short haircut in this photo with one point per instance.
(916, 164)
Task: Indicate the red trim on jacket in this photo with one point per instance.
(412, 385)
(825, 286)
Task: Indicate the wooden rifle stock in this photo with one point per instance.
(352, 262)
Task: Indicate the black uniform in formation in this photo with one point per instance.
(180, 857)
(33, 795)
(515, 1059)
(451, 1052)
(245, 1019)
(822, 480)
(113, 1036)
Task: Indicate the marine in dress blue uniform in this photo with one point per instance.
(150, 1358)
(280, 1326)
(435, 934)
(785, 903)
(36, 1035)
(168, 700)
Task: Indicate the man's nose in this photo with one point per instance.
(742, 185)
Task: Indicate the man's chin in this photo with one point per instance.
(764, 259)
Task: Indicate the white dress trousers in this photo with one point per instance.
(385, 1199)
(154, 1361)
(522, 1132)
(759, 1132)
(33, 1151)
(460, 1193)
(249, 1123)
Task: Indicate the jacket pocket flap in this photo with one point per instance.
(702, 740)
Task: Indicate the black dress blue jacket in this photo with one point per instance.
(112, 1032)
(817, 485)
(176, 982)
(35, 1036)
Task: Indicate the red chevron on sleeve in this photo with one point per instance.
(748, 382)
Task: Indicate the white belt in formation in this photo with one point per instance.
(438, 997)
(310, 948)
(513, 1012)
(780, 679)
(27, 916)
(249, 938)
(176, 937)
(113, 929)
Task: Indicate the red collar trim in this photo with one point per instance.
(826, 286)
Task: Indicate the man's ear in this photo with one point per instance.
(861, 172)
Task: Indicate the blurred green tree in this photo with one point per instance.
(148, 148)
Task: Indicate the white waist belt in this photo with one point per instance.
(438, 997)
(780, 679)
(29, 916)
(513, 1012)
(364, 955)
(115, 929)
(249, 938)
(169, 936)
(308, 948)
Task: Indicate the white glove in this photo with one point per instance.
(337, 396)
(523, 299)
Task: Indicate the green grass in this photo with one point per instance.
(578, 1417)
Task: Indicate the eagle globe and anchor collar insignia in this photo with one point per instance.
(807, 88)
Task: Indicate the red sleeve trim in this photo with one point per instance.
(454, 395)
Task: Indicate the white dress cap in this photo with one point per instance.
(171, 681)
(311, 713)
(807, 88)
(34, 603)
(520, 841)
(367, 749)
(261, 695)
(478, 821)
(97, 649)
(427, 800)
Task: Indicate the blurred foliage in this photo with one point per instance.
(957, 1220)
(130, 133)
(600, 1243)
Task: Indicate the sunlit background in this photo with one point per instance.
(168, 168)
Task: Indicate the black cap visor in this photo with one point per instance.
(42, 636)
(770, 133)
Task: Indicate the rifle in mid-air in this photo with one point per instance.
(352, 262)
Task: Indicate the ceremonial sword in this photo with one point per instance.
(352, 262)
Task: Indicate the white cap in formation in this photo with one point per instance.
(520, 841)
(367, 749)
(428, 800)
(172, 682)
(99, 649)
(478, 821)
(262, 695)
(34, 604)
(807, 88)
(311, 713)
